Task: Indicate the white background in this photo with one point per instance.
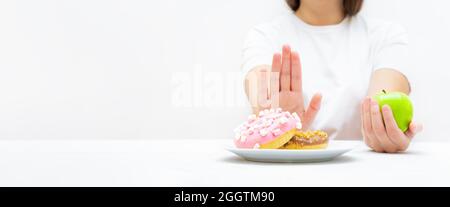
(103, 69)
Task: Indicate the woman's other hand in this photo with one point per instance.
(380, 131)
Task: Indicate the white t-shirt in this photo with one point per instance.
(337, 60)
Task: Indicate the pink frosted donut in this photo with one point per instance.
(265, 128)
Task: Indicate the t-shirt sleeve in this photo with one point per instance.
(392, 51)
(257, 50)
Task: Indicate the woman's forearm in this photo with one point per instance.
(389, 80)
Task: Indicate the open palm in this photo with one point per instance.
(285, 90)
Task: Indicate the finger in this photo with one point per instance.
(263, 89)
(368, 131)
(276, 62)
(365, 138)
(275, 81)
(413, 129)
(394, 133)
(285, 76)
(313, 109)
(276, 67)
(296, 72)
(378, 128)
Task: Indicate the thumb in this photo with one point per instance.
(414, 128)
(314, 106)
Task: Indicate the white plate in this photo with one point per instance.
(334, 149)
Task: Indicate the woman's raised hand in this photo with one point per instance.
(283, 87)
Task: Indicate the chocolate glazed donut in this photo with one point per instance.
(307, 140)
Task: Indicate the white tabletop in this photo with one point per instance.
(207, 163)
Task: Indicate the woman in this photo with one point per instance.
(344, 56)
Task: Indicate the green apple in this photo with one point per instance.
(401, 106)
